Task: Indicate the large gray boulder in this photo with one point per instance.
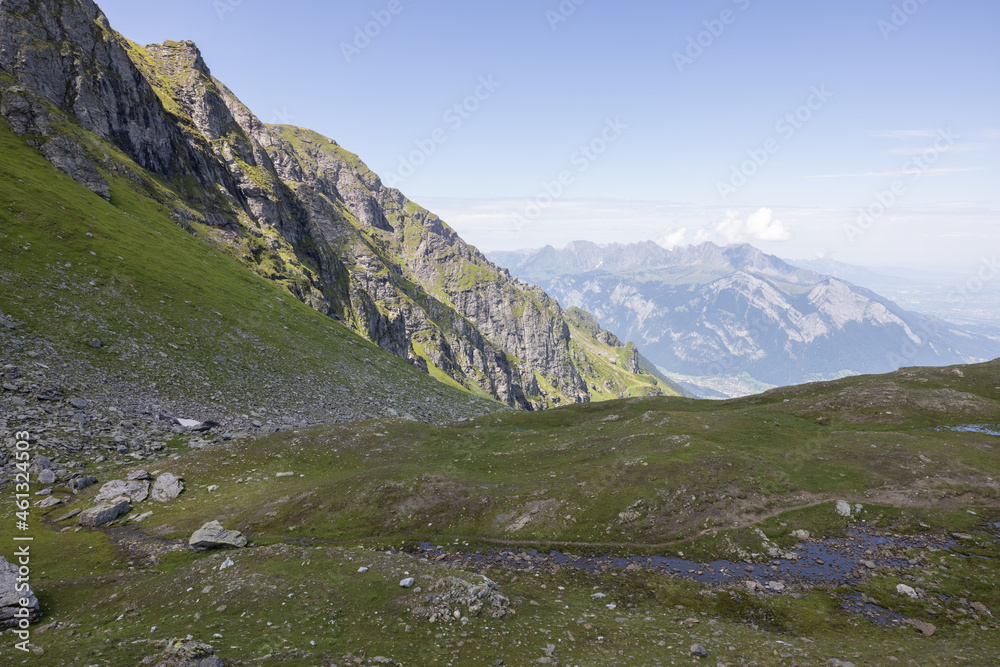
(136, 491)
(213, 536)
(167, 487)
(10, 598)
(102, 514)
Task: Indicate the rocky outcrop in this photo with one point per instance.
(184, 653)
(287, 202)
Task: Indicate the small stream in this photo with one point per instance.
(832, 561)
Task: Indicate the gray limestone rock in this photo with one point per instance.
(102, 514)
(213, 536)
(136, 491)
(167, 487)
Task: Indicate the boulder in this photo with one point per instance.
(844, 509)
(184, 653)
(11, 598)
(102, 514)
(213, 536)
(407, 583)
(136, 491)
(926, 629)
(47, 477)
(82, 482)
(167, 487)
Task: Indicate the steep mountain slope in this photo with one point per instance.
(114, 321)
(711, 311)
(286, 202)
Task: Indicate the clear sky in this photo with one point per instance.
(774, 122)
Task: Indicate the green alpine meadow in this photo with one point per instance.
(258, 407)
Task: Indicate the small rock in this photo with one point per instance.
(226, 563)
(48, 502)
(837, 662)
(139, 475)
(844, 509)
(903, 589)
(699, 651)
(69, 515)
(96, 344)
(926, 629)
(185, 653)
(82, 482)
(285, 474)
(213, 536)
(362, 569)
(408, 582)
(47, 477)
(78, 403)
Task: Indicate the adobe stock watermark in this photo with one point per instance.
(714, 29)
(786, 127)
(562, 13)
(281, 117)
(901, 15)
(365, 34)
(22, 601)
(582, 159)
(915, 168)
(454, 117)
(962, 294)
(929, 331)
(223, 7)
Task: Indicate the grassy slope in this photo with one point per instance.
(707, 472)
(603, 366)
(169, 307)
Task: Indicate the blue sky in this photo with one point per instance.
(864, 130)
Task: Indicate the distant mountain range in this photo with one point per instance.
(710, 311)
(960, 298)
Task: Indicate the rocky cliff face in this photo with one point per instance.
(289, 203)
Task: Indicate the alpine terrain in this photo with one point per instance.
(256, 408)
(735, 312)
(152, 133)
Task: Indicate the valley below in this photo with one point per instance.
(853, 520)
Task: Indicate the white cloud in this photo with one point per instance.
(905, 134)
(763, 227)
(732, 227)
(759, 226)
(673, 239)
(701, 236)
(953, 148)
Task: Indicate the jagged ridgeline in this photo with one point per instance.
(292, 206)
